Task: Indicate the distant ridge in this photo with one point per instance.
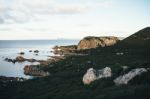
(140, 38)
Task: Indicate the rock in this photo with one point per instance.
(124, 79)
(20, 59)
(30, 50)
(10, 60)
(92, 75)
(36, 54)
(34, 70)
(93, 42)
(124, 67)
(104, 73)
(31, 60)
(22, 53)
(36, 51)
(61, 50)
(119, 53)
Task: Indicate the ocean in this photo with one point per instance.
(12, 48)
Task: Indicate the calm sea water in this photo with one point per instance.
(11, 49)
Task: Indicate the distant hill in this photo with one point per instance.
(140, 38)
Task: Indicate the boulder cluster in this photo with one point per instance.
(92, 75)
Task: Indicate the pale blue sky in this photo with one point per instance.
(52, 19)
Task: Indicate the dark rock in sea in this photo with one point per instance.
(34, 70)
(30, 50)
(22, 53)
(31, 60)
(10, 60)
(36, 54)
(20, 59)
(36, 51)
(93, 42)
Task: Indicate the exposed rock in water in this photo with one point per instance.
(20, 59)
(10, 60)
(92, 75)
(22, 53)
(30, 50)
(124, 79)
(34, 70)
(36, 51)
(93, 42)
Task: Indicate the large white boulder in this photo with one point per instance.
(124, 79)
(89, 76)
(92, 75)
(103, 73)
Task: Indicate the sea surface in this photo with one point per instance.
(12, 48)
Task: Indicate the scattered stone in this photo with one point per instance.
(36, 51)
(124, 79)
(125, 67)
(22, 53)
(30, 50)
(92, 75)
(10, 60)
(104, 73)
(36, 54)
(120, 53)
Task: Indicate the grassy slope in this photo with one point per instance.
(65, 81)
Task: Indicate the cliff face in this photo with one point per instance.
(93, 42)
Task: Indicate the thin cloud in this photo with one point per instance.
(21, 11)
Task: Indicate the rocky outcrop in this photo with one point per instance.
(11, 79)
(92, 75)
(64, 50)
(93, 42)
(124, 79)
(34, 70)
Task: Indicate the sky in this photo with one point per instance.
(71, 19)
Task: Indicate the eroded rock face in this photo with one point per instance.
(129, 76)
(92, 75)
(93, 42)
